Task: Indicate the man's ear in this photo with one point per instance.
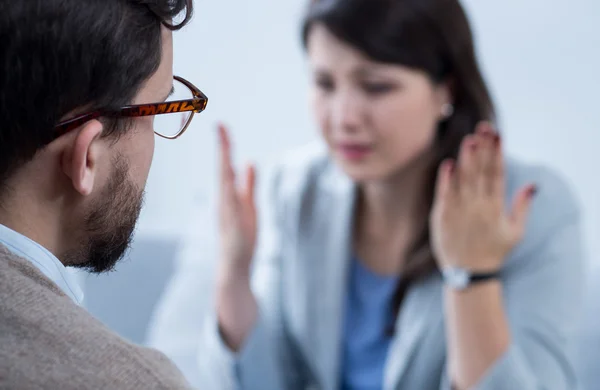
(80, 160)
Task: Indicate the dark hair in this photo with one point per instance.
(429, 35)
(59, 56)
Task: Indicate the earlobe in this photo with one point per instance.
(445, 101)
(80, 161)
(447, 110)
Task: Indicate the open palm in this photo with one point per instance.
(237, 211)
(469, 224)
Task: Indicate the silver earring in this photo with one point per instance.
(447, 110)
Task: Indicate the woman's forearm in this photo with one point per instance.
(477, 331)
(237, 309)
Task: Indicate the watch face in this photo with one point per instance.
(456, 277)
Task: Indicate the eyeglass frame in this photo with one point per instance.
(195, 105)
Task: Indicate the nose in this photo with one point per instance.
(346, 112)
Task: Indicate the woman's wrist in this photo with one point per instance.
(233, 276)
(474, 264)
(237, 311)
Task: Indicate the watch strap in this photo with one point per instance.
(482, 277)
(461, 278)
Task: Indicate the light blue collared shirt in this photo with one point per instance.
(45, 261)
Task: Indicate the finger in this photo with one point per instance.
(497, 185)
(484, 127)
(444, 179)
(486, 138)
(466, 169)
(227, 178)
(224, 146)
(520, 209)
(250, 185)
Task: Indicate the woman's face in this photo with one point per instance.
(376, 118)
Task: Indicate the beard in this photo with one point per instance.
(110, 223)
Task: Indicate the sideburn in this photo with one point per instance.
(111, 222)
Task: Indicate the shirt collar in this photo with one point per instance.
(45, 261)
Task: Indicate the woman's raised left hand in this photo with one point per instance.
(470, 226)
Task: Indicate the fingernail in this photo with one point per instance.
(489, 129)
(483, 127)
(532, 191)
(451, 166)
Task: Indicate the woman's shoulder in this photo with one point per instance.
(555, 195)
(305, 169)
(554, 218)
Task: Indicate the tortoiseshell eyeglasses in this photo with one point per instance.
(171, 119)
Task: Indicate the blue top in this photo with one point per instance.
(367, 319)
(45, 261)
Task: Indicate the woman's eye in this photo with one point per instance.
(325, 84)
(377, 88)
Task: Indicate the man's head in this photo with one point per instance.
(80, 194)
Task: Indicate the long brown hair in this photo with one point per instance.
(433, 36)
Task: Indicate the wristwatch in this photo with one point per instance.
(461, 278)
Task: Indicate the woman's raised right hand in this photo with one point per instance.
(237, 213)
(237, 308)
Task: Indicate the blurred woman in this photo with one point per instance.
(406, 252)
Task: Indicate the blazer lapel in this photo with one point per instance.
(329, 249)
(414, 318)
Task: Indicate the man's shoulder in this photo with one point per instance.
(49, 341)
(19, 276)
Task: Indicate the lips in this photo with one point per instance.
(354, 151)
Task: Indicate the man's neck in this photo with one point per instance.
(31, 222)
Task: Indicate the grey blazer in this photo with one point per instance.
(299, 278)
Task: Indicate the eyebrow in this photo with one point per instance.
(366, 71)
(361, 71)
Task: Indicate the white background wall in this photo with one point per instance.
(541, 58)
